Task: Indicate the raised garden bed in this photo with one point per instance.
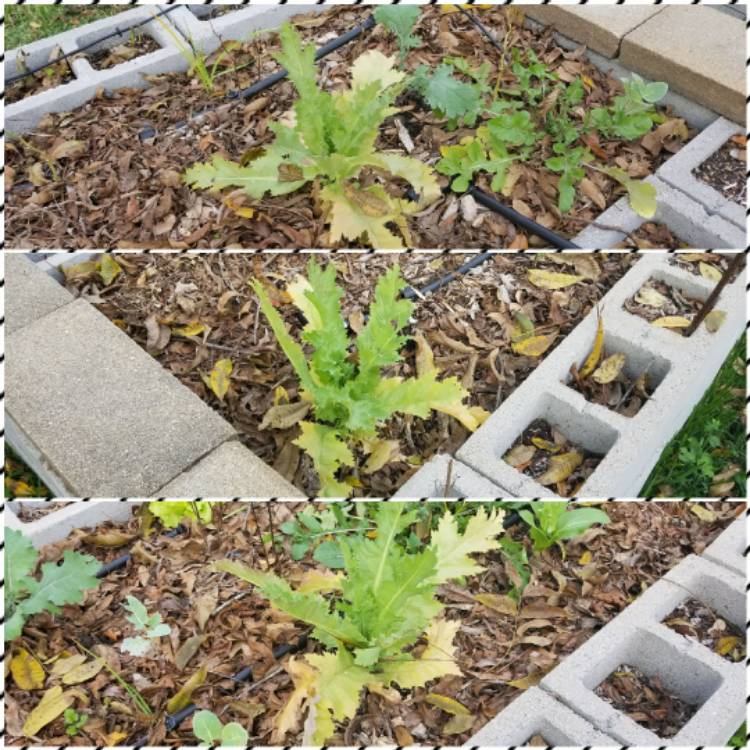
(224, 626)
(664, 305)
(726, 170)
(470, 324)
(129, 192)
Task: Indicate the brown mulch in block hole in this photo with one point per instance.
(696, 263)
(651, 235)
(698, 621)
(645, 700)
(726, 170)
(564, 604)
(29, 511)
(135, 46)
(624, 395)
(656, 299)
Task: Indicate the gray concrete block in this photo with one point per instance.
(104, 414)
(230, 470)
(30, 293)
(536, 712)
(431, 479)
(685, 217)
(730, 548)
(56, 526)
(677, 171)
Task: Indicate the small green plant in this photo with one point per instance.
(331, 143)
(74, 721)
(697, 452)
(568, 163)
(149, 627)
(207, 727)
(633, 114)
(344, 380)
(173, 512)
(59, 584)
(534, 78)
(386, 604)
(400, 19)
(553, 522)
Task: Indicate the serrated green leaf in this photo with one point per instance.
(328, 452)
(400, 19)
(20, 559)
(172, 512)
(449, 95)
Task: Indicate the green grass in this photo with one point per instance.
(739, 739)
(28, 23)
(712, 439)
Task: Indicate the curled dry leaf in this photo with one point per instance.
(534, 346)
(609, 369)
(284, 416)
(27, 672)
(158, 335)
(218, 380)
(505, 605)
(712, 273)
(593, 359)
(53, 703)
(449, 705)
(551, 280)
(560, 467)
(671, 321)
(520, 455)
(650, 297)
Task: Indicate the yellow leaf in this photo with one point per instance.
(83, 672)
(80, 270)
(424, 358)
(297, 290)
(712, 273)
(609, 369)
(727, 644)
(449, 705)
(470, 417)
(534, 346)
(53, 703)
(703, 513)
(319, 580)
(650, 297)
(519, 455)
(715, 320)
(505, 605)
(524, 683)
(280, 395)
(596, 353)
(381, 452)
(546, 445)
(585, 558)
(459, 724)
(115, 738)
(305, 680)
(218, 380)
(671, 321)
(181, 699)
(193, 329)
(109, 268)
(27, 672)
(63, 666)
(560, 468)
(112, 538)
(552, 280)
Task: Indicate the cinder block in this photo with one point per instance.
(685, 217)
(677, 171)
(56, 526)
(108, 418)
(30, 293)
(730, 548)
(431, 480)
(632, 445)
(230, 470)
(689, 48)
(691, 672)
(596, 27)
(536, 712)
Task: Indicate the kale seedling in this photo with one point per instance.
(149, 627)
(74, 721)
(400, 19)
(208, 728)
(331, 143)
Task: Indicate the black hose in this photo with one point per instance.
(410, 293)
(522, 221)
(116, 32)
(123, 560)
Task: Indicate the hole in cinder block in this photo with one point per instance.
(561, 447)
(653, 236)
(725, 170)
(646, 701)
(666, 303)
(697, 621)
(710, 264)
(136, 44)
(636, 381)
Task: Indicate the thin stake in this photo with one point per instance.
(273, 537)
(260, 536)
(735, 265)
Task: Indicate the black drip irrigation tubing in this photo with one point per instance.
(480, 196)
(411, 293)
(123, 560)
(116, 32)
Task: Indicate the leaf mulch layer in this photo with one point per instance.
(47, 78)
(697, 621)
(624, 395)
(645, 700)
(135, 46)
(468, 324)
(552, 458)
(31, 511)
(122, 192)
(674, 304)
(719, 261)
(568, 599)
(651, 235)
(726, 170)
(20, 480)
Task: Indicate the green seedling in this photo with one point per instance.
(553, 522)
(208, 728)
(74, 721)
(400, 19)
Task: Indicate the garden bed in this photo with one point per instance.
(726, 170)
(121, 191)
(470, 324)
(499, 652)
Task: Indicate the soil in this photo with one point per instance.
(30, 511)
(136, 46)
(720, 261)
(468, 324)
(535, 451)
(645, 700)
(698, 621)
(564, 604)
(650, 236)
(676, 304)
(128, 193)
(726, 170)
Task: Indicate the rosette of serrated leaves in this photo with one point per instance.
(331, 141)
